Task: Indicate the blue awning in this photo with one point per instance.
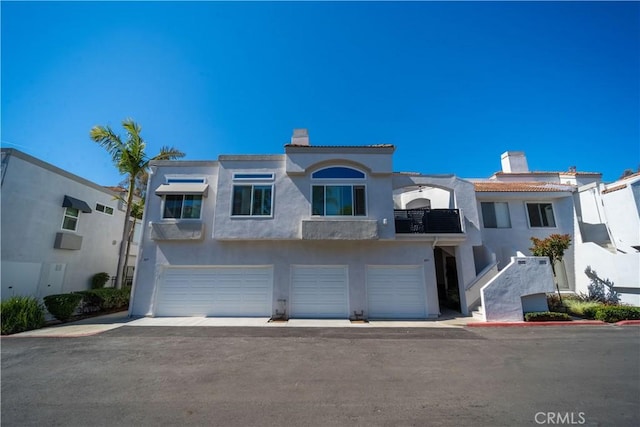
(70, 202)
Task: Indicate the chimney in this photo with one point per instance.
(514, 162)
(300, 137)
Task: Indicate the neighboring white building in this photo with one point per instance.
(602, 220)
(608, 218)
(321, 232)
(58, 229)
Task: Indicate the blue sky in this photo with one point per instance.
(452, 85)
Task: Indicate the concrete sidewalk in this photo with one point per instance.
(96, 325)
(80, 328)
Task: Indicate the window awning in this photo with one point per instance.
(183, 188)
(71, 202)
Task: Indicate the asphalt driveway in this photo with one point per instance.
(134, 376)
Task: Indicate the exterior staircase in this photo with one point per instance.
(478, 313)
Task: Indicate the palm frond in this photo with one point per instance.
(169, 153)
(107, 139)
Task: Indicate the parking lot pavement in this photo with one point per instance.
(258, 376)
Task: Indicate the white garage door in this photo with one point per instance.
(396, 292)
(319, 292)
(215, 291)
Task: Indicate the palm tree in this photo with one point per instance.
(130, 159)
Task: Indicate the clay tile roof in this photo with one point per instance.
(616, 188)
(486, 186)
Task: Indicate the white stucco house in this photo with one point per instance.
(516, 204)
(321, 232)
(58, 229)
(608, 240)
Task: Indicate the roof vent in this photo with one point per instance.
(300, 137)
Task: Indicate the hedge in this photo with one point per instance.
(104, 299)
(99, 280)
(62, 306)
(546, 316)
(616, 313)
(19, 314)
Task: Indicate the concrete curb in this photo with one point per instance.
(628, 323)
(527, 324)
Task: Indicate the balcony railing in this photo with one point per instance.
(427, 221)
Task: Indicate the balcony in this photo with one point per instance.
(427, 221)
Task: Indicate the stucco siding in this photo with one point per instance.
(32, 215)
(282, 255)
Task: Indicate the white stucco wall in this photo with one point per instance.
(622, 269)
(282, 255)
(32, 214)
(292, 198)
(278, 241)
(623, 218)
(439, 197)
(502, 297)
(505, 242)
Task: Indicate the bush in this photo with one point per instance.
(62, 306)
(99, 280)
(582, 308)
(590, 312)
(104, 299)
(616, 313)
(546, 316)
(21, 314)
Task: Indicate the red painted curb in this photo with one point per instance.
(526, 324)
(628, 322)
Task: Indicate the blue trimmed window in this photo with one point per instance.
(338, 172)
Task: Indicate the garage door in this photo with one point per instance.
(319, 292)
(215, 291)
(396, 292)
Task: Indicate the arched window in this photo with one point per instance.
(335, 198)
(338, 172)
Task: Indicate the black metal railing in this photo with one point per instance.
(427, 221)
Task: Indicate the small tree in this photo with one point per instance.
(131, 160)
(552, 247)
(597, 288)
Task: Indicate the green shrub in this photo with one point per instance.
(582, 308)
(62, 306)
(616, 313)
(546, 316)
(99, 280)
(21, 314)
(590, 312)
(104, 299)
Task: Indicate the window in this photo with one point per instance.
(182, 206)
(104, 209)
(330, 200)
(540, 215)
(185, 180)
(252, 200)
(253, 176)
(70, 221)
(338, 172)
(338, 200)
(495, 214)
